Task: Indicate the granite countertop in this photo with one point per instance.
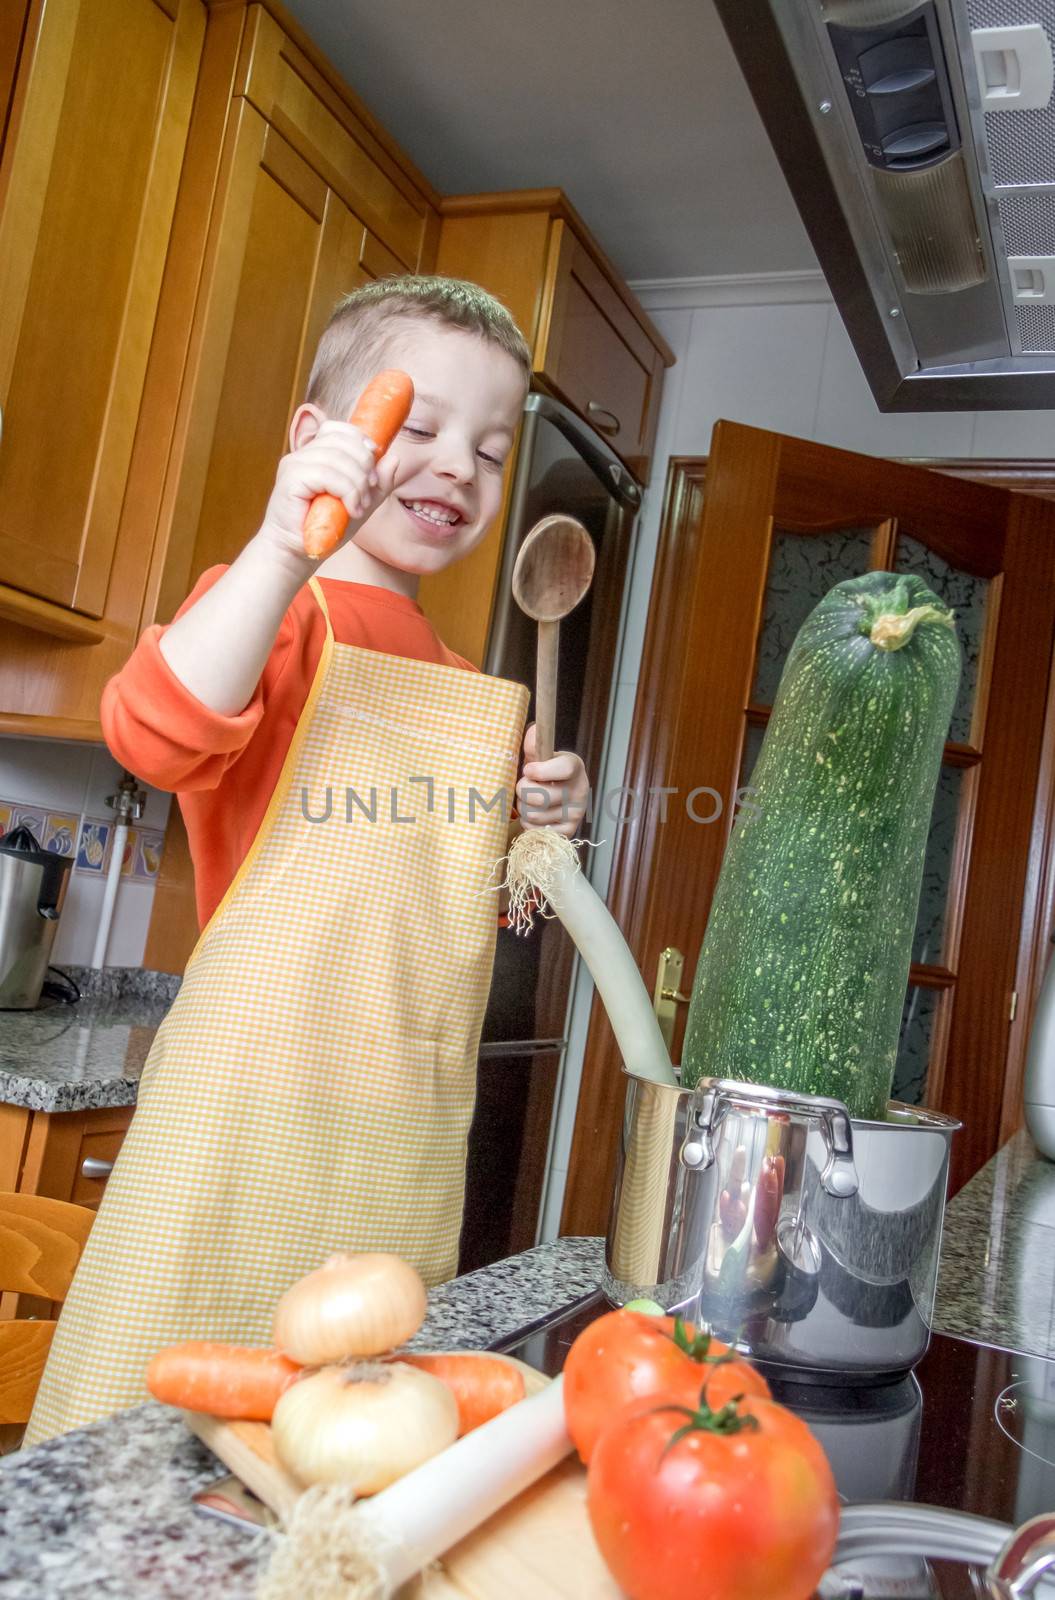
(108, 1507)
(996, 1282)
(88, 1054)
(107, 1510)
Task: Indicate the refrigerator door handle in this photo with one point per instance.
(519, 1047)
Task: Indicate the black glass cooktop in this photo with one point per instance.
(973, 1428)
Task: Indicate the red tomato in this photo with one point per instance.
(716, 1515)
(628, 1354)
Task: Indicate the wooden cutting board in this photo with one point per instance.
(539, 1547)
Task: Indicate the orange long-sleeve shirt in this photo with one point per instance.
(224, 769)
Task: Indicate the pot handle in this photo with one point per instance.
(838, 1175)
(1025, 1558)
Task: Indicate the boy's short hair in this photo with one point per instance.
(358, 338)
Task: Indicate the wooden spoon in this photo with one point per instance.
(553, 571)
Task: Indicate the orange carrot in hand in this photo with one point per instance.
(482, 1384)
(381, 411)
(224, 1380)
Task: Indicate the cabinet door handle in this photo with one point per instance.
(92, 1167)
(606, 420)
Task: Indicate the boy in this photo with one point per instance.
(312, 1086)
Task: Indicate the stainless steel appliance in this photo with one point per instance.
(808, 1239)
(561, 467)
(33, 886)
(919, 144)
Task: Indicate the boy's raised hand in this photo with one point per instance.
(337, 460)
(552, 794)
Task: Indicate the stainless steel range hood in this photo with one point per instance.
(919, 144)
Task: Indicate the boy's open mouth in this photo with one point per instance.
(434, 515)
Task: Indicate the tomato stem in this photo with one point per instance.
(698, 1347)
(729, 1419)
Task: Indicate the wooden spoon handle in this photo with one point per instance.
(546, 688)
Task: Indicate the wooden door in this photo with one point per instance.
(752, 539)
(87, 187)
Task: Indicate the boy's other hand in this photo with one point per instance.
(338, 460)
(553, 793)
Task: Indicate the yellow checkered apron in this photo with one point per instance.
(312, 1086)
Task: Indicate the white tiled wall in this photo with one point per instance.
(60, 791)
(789, 367)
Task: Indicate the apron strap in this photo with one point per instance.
(316, 588)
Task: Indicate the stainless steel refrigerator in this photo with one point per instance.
(561, 466)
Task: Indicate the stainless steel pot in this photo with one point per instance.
(807, 1238)
(33, 885)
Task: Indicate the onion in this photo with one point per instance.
(353, 1305)
(368, 1549)
(363, 1425)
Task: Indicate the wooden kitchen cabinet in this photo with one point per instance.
(91, 163)
(288, 195)
(13, 18)
(594, 353)
(64, 1155)
(592, 347)
(341, 143)
(61, 1154)
(309, 203)
(283, 247)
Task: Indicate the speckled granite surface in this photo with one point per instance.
(106, 1511)
(89, 1054)
(996, 1282)
(124, 983)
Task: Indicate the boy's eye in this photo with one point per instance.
(492, 461)
(416, 433)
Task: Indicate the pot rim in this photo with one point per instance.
(901, 1118)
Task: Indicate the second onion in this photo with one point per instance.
(365, 1424)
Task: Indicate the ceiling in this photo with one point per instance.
(636, 108)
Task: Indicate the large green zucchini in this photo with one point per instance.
(803, 971)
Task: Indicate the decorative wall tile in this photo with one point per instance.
(93, 847)
(128, 856)
(32, 817)
(149, 845)
(61, 829)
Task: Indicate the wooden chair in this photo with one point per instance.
(40, 1244)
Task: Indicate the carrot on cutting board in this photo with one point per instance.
(224, 1380)
(482, 1384)
(380, 412)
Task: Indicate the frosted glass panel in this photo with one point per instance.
(966, 594)
(751, 751)
(928, 942)
(802, 568)
(913, 1057)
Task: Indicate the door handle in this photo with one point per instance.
(92, 1167)
(603, 419)
(667, 995)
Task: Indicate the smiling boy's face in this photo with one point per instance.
(450, 454)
